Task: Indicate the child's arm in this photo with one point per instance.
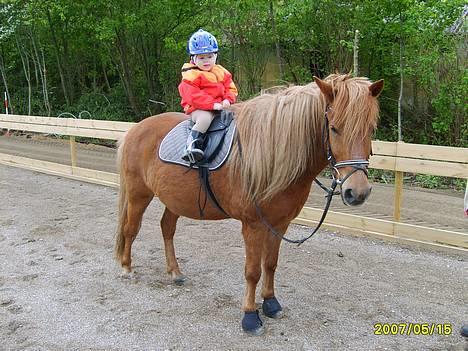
(230, 92)
(195, 97)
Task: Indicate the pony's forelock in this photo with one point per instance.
(355, 112)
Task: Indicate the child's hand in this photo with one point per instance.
(217, 106)
(226, 103)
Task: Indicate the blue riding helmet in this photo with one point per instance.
(202, 42)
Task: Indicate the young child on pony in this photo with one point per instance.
(205, 87)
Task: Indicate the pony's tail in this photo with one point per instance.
(120, 239)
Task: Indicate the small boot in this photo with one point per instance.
(194, 150)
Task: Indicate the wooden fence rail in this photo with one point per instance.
(397, 157)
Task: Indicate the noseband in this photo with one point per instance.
(357, 165)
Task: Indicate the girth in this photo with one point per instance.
(214, 141)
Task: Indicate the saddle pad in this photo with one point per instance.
(173, 146)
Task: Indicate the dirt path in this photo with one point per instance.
(60, 288)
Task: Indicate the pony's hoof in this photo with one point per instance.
(126, 269)
(272, 308)
(252, 324)
(180, 280)
(130, 275)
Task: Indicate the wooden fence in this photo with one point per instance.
(397, 157)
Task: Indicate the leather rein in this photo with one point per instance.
(357, 165)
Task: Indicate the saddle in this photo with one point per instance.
(217, 145)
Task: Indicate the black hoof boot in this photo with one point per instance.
(180, 280)
(272, 308)
(252, 324)
(464, 331)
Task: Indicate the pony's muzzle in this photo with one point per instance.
(355, 197)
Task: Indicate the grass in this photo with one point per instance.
(412, 179)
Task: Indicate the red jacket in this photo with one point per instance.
(201, 89)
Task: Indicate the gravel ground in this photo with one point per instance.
(60, 288)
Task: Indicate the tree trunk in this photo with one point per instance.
(106, 80)
(125, 72)
(58, 57)
(26, 69)
(36, 63)
(5, 83)
(277, 41)
(67, 68)
(400, 98)
(356, 54)
(149, 54)
(42, 74)
(44, 87)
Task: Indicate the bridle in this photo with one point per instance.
(357, 165)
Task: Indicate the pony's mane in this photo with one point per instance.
(281, 133)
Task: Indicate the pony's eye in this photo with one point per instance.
(334, 130)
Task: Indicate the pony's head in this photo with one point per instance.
(351, 118)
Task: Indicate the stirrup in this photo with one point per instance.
(187, 156)
(193, 155)
(196, 155)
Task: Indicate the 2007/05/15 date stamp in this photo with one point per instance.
(413, 329)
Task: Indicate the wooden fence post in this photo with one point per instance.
(73, 150)
(398, 195)
(398, 187)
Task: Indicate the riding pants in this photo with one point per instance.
(202, 120)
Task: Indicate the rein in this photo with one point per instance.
(357, 165)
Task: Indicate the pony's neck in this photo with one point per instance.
(318, 164)
(283, 135)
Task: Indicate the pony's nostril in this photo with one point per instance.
(353, 199)
(348, 195)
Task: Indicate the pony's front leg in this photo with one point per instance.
(253, 239)
(271, 307)
(168, 227)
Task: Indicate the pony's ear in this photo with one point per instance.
(326, 89)
(376, 88)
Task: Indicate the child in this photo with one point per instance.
(205, 87)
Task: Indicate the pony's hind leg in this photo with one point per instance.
(137, 202)
(168, 227)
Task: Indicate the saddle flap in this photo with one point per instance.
(221, 121)
(216, 133)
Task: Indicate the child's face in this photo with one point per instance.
(205, 61)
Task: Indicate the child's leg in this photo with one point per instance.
(202, 120)
(194, 150)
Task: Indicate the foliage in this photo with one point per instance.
(120, 60)
(435, 182)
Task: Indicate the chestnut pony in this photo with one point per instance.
(283, 139)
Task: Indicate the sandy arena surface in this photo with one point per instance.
(60, 288)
